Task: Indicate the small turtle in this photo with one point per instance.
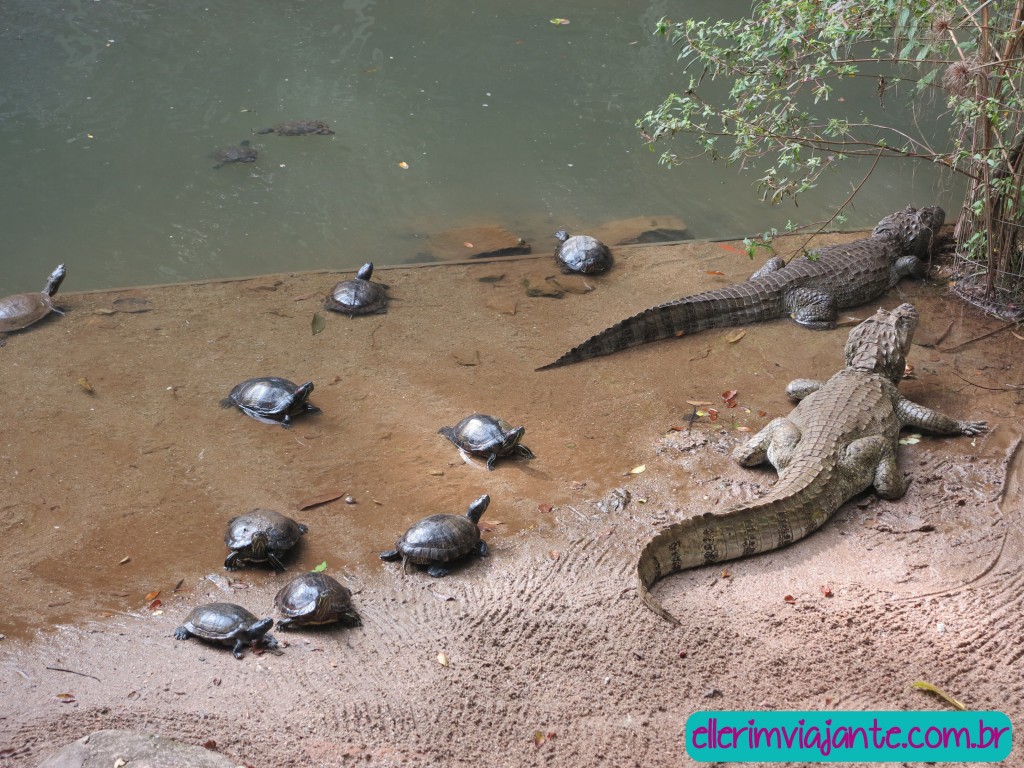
(440, 539)
(22, 309)
(315, 598)
(299, 128)
(271, 399)
(581, 253)
(261, 536)
(358, 296)
(242, 152)
(227, 624)
(487, 437)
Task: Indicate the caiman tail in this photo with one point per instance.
(737, 304)
(792, 510)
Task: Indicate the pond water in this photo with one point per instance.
(110, 112)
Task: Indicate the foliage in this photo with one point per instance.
(781, 68)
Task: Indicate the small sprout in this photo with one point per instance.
(320, 568)
(921, 685)
(559, 22)
(318, 323)
(86, 386)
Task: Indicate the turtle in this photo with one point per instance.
(440, 539)
(581, 253)
(315, 598)
(242, 152)
(22, 309)
(358, 296)
(261, 536)
(227, 624)
(299, 128)
(271, 399)
(487, 437)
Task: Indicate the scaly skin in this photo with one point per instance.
(810, 290)
(839, 441)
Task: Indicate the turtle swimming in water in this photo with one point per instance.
(300, 128)
(358, 296)
(315, 598)
(487, 437)
(581, 253)
(22, 309)
(242, 152)
(440, 539)
(261, 536)
(227, 624)
(271, 399)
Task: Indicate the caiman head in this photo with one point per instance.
(914, 228)
(880, 344)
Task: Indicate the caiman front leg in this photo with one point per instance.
(775, 444)
(798, 389)
(912, 414)
(813, 309)
(907, 266)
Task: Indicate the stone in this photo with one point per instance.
(476, 243)
(103, 749)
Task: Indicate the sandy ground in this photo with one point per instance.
(116, 493)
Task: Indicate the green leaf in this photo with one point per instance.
(321, 568)
(318, 323)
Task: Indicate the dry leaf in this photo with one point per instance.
(153, 595)
(403, 165)
(154, 605)
(209, 744)
(120, 763)
(789, 599)
(744, 429)
(66, 698)
(124, 560)
(712, 414)
(729, 395)
(538, 738)
(716, 273)
(468, 244)
(545, 508)
(86, 386)
(733, 336)
(921, 685)
(318, 323)
(637, 470)
(698, 402)
(320, 498)
(725, 573)
(762, 414)
(826, 590)
(442, 659)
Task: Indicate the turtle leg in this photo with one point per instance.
(482, 549)
(437, 570)
(391, 554)
(312, 409)
(182, 634)
(490, 461)
(268, 641)
(285, 623)
(522, 450)
(231, 562)
(237, 650)
(286, 422)
(275, 563)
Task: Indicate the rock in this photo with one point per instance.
(642, 229)
(616, 501)
(476, 243)
(103, 749)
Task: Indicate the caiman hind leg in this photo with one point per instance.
(775, 444)
(812, 309)
(774, 264)
(913, 415)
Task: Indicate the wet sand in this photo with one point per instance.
(121, 472)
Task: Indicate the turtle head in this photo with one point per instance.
(365, 272)
(260, 544)
(302, 393)
(54, 280)
(561, 235)
(512, 438)
(476, 509)
(880, 344)
(259, 628)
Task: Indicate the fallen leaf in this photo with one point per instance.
(789, 599)
(318, 323)
(762, 414)
(124, 560)
(320, 498)
(698, 402)
(178, 585)
(153, 595)
(826, 590)
(66, 698)
(725, 573)
(120, 763)
(468, 244)
(403, 165)
(133, 695)
(545, 508)
(154, 605)
(712, 414)
(682, 654)
(921, 685)
(744, 429)
(538, 738)
(442, 659)
(210, 744)
(911, 439)
(716, 273)
(679, 334)
(733, 336)
(86, 386)
(729, 394)
(559, 22)
(637, 470)
(321, 567)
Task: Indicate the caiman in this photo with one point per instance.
(811, 290)
(840, 440)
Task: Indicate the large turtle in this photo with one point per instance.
(487, 437)
(271, 399)
(261, 536)
(581, 253)
(227, 624)
(22, 309)
(299, 128)
(358, 296)
(440, 539)
(315, 598)
(242, 152)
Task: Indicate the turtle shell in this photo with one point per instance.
(228, 624)
(315, 598)
(487, 437)
(358, 296)
(582, 253)
(22, 309)
(300, 128)
(261, 536)
(271, 399)
(243, 152)
(439, 539)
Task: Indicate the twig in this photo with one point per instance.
(979, 338)
(1010, 388)
(941, 338)
(71, 671)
